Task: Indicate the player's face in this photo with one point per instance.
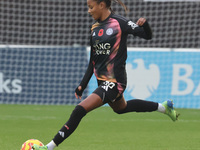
(94, 9)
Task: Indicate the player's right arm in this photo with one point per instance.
(88, 74)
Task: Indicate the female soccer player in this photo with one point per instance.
(107, 62)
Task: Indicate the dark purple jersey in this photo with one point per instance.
(109, 48)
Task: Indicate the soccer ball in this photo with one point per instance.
(29, 143)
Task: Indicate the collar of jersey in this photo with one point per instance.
(105, 19)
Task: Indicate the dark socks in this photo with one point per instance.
(78, 113)
(137, 105)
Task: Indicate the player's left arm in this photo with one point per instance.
(147, 32)
(141, 28)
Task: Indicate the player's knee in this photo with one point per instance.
(79, 111)
(118, 111)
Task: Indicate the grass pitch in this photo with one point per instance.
(100, 129)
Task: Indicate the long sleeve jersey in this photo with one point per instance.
(109, 48)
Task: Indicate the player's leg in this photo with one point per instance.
(91, 102)
(136, 105)
(118, 105)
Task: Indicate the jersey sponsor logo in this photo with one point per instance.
(103, 52)
(10, 86)
(132, 24)
(102, 48)
(109, 31)
(100, 32)
(142, 82)
(107, 85)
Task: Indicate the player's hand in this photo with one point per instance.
(78, 92)
(141, 21)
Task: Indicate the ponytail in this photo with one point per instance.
(109, 2)
(122, 4)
